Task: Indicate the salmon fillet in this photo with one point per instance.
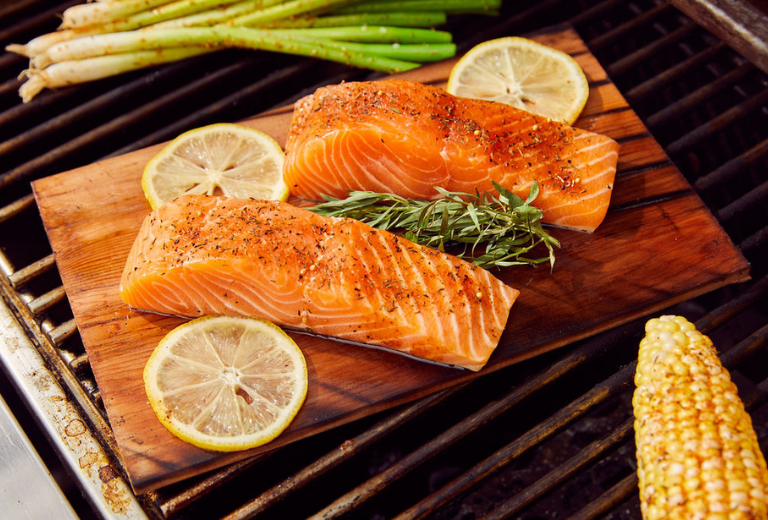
(406, 138)
(201, 255)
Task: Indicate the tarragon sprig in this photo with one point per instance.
(489, 230)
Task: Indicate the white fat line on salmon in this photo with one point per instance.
(376, 182)
(422, 287)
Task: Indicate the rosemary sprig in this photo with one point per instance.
(489, 230)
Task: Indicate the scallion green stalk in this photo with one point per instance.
(287, 10)
(179, 10)
(218, 16)
(406, 19)
(447, 6)
(368, 34)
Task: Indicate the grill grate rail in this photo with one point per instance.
(548, 437)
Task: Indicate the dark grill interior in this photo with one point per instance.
(551, 437)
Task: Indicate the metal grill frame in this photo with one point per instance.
(49, 368)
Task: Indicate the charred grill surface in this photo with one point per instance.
(548, 438)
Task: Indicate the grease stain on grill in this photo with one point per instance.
(106, 473)
(74, 428)
(114, 494)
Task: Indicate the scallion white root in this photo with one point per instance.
(102, 12)
(184, 13)
(43, 42)
(81, 71)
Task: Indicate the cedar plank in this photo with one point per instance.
(640, 152)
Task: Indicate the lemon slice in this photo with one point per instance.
(522, 73)
(226, 383)
(220, 159)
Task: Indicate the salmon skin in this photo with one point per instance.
(406, 138)
(200, 255)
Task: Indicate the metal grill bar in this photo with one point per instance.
(62, 332)
(687, 103)
(567, 470)
(758, 197)
(27, 25)
(609, 500)
(33, 270)
(42, 303)
(621, 31)
(732, 168)
(620, 66)
(755, 241)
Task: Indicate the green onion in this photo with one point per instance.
(174, 44)
(382, 35)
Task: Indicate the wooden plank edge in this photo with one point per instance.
(739, 24)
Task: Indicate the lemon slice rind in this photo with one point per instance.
(524, 74)
(219, 159)
(226, 383)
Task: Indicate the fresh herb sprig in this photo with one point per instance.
(489, 230)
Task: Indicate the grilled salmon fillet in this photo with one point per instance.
(406, 138)
(200, 255)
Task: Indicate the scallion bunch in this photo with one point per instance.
(109, 37)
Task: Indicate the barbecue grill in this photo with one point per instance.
(550, 437)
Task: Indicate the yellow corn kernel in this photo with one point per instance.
(697, 452)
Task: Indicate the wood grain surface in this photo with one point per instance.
(658, 246)
(741, 25)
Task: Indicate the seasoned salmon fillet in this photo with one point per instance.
(200, 255)
(406, 138)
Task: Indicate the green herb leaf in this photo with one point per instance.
(489, 230)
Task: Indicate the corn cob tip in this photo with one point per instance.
(697, 452)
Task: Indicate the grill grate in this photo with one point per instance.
(550, 437)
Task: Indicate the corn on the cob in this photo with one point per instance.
(697, 452)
